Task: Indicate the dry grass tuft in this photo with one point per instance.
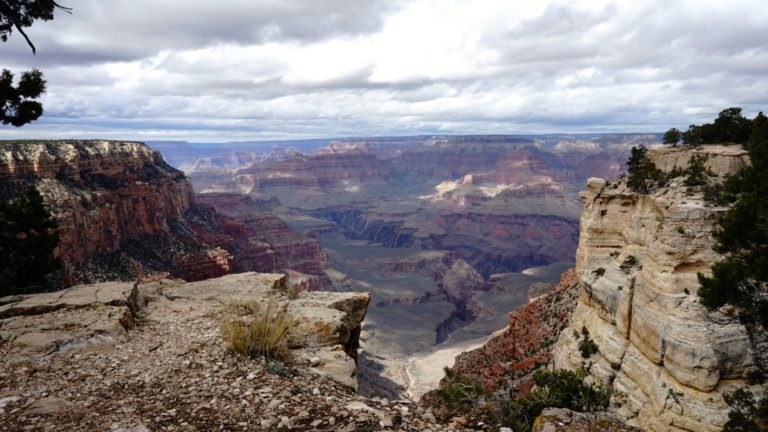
(253, 329)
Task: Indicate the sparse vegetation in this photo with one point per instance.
(461, 395)
(697, 173)
(253, 329)
(629, 262)
(615, 254)
(746, 413)
(587, 347)
(554, 389)
(28, 237)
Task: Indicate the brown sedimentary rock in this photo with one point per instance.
(124, 213)
(506, 361)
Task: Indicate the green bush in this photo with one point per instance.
(697, 173)
(554, 389)
(461, 395)
(587, 347)
(629, 262)
(746, 413)
(28, 237)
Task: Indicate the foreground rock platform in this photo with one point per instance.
(150, 357)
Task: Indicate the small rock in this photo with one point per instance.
(314, 361)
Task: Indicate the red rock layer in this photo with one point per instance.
(101, 192)
(507, 360)
(123, 213)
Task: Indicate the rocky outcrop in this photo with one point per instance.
(101, 192)
(124, 213)
(505, 363)
(69, 362)
(86, 315)
(667, 358)
(559, 419)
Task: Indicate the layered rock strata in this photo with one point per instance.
(124, 213)
(505, 363)
(668, 360)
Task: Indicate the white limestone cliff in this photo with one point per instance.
(667, 359)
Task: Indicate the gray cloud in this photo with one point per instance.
(307, 68)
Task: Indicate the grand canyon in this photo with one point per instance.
(396, 216)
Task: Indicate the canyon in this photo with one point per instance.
(125, 214)
(445, 236)
(437, 228)
(667, 360)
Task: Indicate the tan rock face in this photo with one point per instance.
(668, 359)
(85, 316)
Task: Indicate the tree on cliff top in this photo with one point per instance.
(741, 278)
(730, 126)
(28, 236)
(672, 136)
(17, 104)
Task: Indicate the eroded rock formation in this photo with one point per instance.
(667, 358)
(506, 361)
(124, 213)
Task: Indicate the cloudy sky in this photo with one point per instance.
(230, 70)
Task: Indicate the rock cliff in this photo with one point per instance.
(505, 363)
(124, 213)
(667, 358)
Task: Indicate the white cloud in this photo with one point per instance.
(276, 69)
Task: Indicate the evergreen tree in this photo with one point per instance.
(17, 104)
(28, 237)
(672, 136)
(741, 278)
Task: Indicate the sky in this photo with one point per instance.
(234, 70)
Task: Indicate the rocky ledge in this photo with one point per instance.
(150, 356)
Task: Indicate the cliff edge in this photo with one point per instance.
(124, 213)
(668, 360)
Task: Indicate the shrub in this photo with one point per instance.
(253, 329)
(697, 172)
(587, 347)
(554, 389)
(629, 262)
(680, 229)
(746, 413)
(598, 271)
(461, 395)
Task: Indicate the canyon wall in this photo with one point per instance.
(668, 360)
(123, 213)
